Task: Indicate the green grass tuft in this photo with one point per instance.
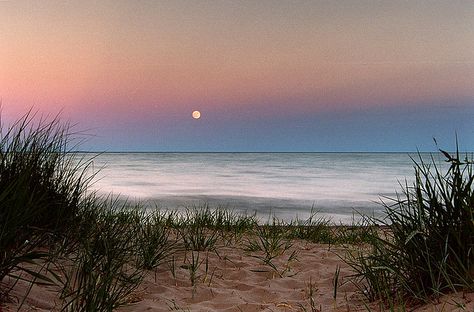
(429, 247)
(42, 187)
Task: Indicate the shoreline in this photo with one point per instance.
(263, 208)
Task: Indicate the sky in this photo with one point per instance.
(287, 76)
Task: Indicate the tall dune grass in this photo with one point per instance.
(429, 249)
(42, 186)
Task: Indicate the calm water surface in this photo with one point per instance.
(285, 184)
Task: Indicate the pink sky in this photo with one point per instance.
(135, 62)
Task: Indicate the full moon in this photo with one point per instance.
(196, 114)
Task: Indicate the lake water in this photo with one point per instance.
(287, 185)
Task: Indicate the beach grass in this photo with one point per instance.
(107, 264)
(155, 243)
(42, 187)
(429, 247)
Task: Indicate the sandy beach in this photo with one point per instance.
(238, 281)
(233, 279)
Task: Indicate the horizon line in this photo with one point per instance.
(258, 152)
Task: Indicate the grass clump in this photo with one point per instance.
(268, 243)
(197, 229)
(271, 239)
(429, 249)
(314, 229)
(106, 266)
(155, 244)
(359, 232)
(42, 187)
(201, 227)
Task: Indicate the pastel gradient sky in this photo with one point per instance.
(266, 75)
